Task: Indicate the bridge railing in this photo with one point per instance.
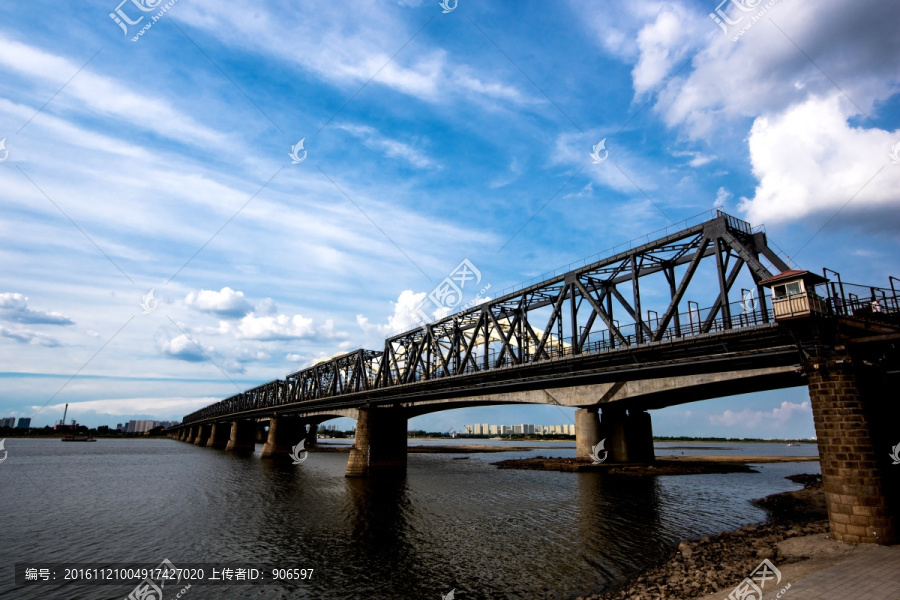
(691, 323)
(860, 300)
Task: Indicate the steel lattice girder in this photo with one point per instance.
(502, 332)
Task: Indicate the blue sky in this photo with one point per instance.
(431, 137)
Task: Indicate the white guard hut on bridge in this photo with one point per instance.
(794, 294)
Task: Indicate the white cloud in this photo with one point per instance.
(224, 303)
(101, 95)
(390, 147)
(182, 348)
(463, 77)
(26, 336)
(722, 198)
(616, 25)
(345, 46)
(280, 327)
(503, 180)
(777, 418)
(404, 318)
(698, 159)
(810, 161)
(131, 406)
(14, 307)
(662, 44)
(765, 72)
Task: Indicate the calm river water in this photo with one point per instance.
(449, 524)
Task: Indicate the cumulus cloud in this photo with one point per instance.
(405, 315)
(182, 348)
(14, 307)
(279, 327)
(765, 73)
(268, 328)
(777, 418)
(809, 160)
(662, 44)
(808, 152)
(224, 303)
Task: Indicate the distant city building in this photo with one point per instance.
(144, 425)
(8, 422)
(24, 423)
(521, 429)
(119, 426)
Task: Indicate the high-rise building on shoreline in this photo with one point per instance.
(522, 429)
(144, 425)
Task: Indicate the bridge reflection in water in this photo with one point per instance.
(561, 341)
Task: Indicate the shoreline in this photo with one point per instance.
(794, 538)
(669, 465)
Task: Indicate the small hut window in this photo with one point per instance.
(789, 289)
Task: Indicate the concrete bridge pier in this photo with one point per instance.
(856, 414)
(243, 436)
(181, 435)
(587, 432)
(192, 433)
(628, 436)
(202, 435)
(218, 436)
(380, 444)
(311, 439)
(284, 432)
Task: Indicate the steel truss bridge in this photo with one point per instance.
(591, 325)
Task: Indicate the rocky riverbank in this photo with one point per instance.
(715, 565)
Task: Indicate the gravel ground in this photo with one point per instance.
(795, 541)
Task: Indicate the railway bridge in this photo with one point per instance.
(705, 311)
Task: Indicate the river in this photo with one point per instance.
(449, 524)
